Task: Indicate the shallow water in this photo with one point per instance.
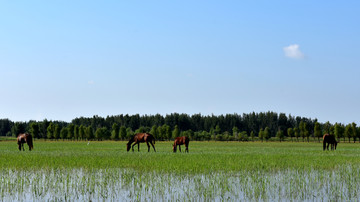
(129, 185)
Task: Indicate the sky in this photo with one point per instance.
(61, 60)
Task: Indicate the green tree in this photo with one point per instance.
(142, 129)
(50, 131)
(106, 134)
(348, 131)
(302, 128)
(43, 128)
(63, 133)
(252, 135)
(35, 130)
(129, 133)
(57, 131)
(89, 133)
(76, 132)
(5, 127)
(296, 133)
(280, 135)
(188, 133)
(354, 131)
(219, 137)
(261, 134)
(290, 133)
(122, 132)
(217, 130)
(235, 131)
(317, 131)
(161, 131)
(168, 132)
(115, 134)
(100, 133)
(71, 132)
(327, 127)
(154, 131)
(266, 133)
(243, 136)
(176, 132)
(339, 131)
(82, 135)
(212, 134)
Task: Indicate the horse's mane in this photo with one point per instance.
(131, 139)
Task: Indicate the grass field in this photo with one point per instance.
(211, 170)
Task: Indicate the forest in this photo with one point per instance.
(263, 126)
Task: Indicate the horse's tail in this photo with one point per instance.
(29, 140)
(153, 140)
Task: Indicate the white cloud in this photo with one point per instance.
(293, 51)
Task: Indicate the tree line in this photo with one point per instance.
(230, 127)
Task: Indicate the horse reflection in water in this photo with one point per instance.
(180, 141)
(25, 138)
(141, 137)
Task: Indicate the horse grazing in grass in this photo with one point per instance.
(25, 138)
(329, 140)
(180, 141)
(141, 137)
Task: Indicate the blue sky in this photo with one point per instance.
(65, 59)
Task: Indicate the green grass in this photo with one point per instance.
(204, 157)
(212, 171)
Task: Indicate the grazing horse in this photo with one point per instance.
(141, 137)
(25, 137)
(329, 139)
(180, 141)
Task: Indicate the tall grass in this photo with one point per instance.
(130, 185)
(203, 157)
(63, 170)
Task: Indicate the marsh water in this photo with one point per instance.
(130, 185)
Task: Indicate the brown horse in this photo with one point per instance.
(180, 141)
(141, 137)
(329, 139)
(25, 137)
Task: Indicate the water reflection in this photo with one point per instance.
(130, 185)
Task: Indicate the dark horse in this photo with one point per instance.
(180, 141)
(141, 137)
(25, 137)
(329, 139)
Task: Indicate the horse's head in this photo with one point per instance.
(174, 147)
(128, 146)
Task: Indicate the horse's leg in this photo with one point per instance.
(179, 148)
(324, 145)
(138, 147)
(152, 146)
(19, 147)
(23, 146)
(187, 148)
(328, 146)
(133, 146)
(148, 146)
